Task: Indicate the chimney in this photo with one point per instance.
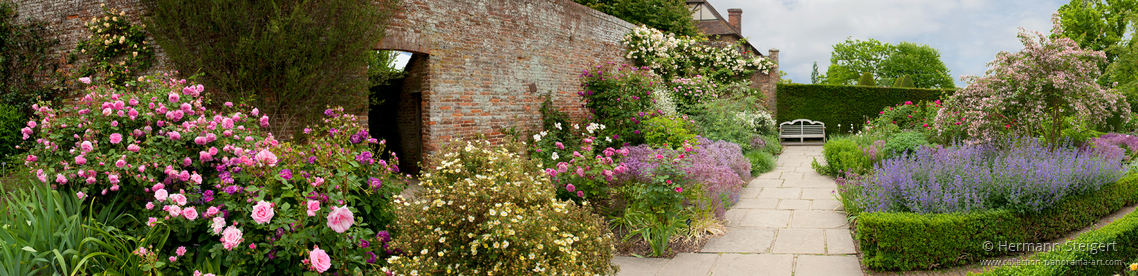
(734, 17)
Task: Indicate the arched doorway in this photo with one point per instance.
(398, 118)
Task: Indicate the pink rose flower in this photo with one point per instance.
(150, 206)
(266, 157)
(160, 195)
(120, 163)
(181, 251)
(262, 212)
(218, 224)
(79, 160)
(174, 135)
(60, 178)
(317, 181)
(81, 195)
(190, 213)
(174, 97)
(313, 206)
(85, 80)
(133, 148)
(152, 221)
(174, 210)
(116, 138)
(231, 238)
(340, 219)
(86, 146)
(319, 259)
(212, 210)
(179, 199)
(114, 178)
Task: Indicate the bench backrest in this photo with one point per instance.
(804, 125)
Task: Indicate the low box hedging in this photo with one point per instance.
(844, 104)
(1120, 238)
(908, 241)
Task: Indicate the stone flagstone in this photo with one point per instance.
(786, 222)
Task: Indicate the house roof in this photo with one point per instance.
(711, 23)
(709, 20)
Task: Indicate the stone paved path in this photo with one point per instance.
(787, 223)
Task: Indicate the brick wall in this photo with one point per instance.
(65, 20)
(480, 66)
(488, 63)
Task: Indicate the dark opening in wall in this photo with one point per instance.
(399, 118)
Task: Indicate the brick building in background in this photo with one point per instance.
(730, 30)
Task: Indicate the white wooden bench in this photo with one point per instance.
(802, 129)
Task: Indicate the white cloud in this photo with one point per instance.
(968, 33)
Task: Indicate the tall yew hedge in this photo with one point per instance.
(847, 105)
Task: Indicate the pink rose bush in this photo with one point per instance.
(157, 146)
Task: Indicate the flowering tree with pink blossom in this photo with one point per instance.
(1033, 91)
(222, 184)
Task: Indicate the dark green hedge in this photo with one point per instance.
(844, 104)
(908, 241)
(1120, 236)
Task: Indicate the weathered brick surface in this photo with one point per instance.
(66, 20)
(480, 66)
(482, 56)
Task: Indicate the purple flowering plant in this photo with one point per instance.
(1024, 175)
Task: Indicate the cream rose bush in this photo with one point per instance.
(236, 199)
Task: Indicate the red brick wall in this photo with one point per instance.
(481, 66)
(482, 56)
(65, 20)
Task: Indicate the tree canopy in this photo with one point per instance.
(669, 16)
(263, 52)
(887, 62)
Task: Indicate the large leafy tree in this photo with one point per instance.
(669, 16)
(920, 62)
(852, 58)
(291, 58)
(1033, 91)
(1098, 25)
(887, 62)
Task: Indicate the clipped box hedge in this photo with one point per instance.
(1122, 233)
(909, 241)
(847, 105)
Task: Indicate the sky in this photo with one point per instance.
(968, 33)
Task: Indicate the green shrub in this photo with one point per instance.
(486, 210)
(907, 241)
(843, 155)
(770, 144)
(842, 104)
(11, 123)
(761, 161)
(866, 79)
(719, 122)
(669, 131)
(904, 142)
(619, 98)
(1119, 241)
(262, 52)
